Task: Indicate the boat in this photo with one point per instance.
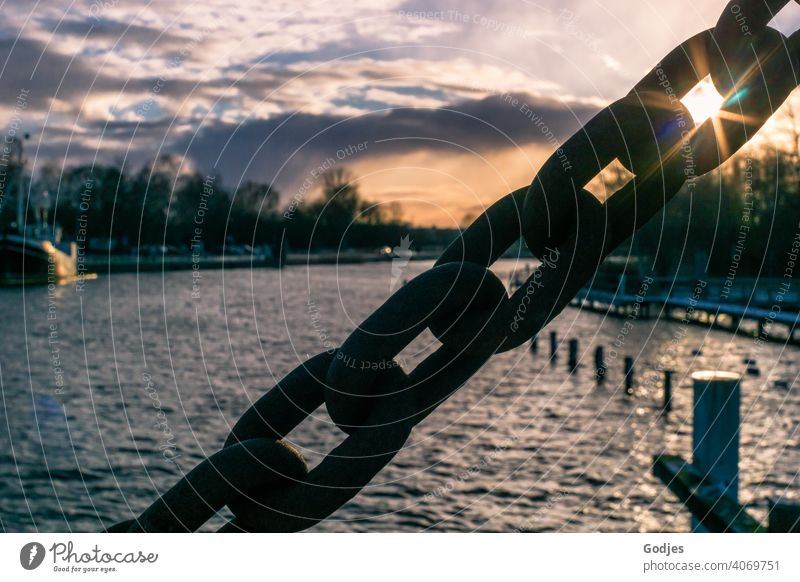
(33, 261)
(33, 254)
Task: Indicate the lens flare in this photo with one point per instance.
(703, 101)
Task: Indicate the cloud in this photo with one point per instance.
(284, 148)
(269, 90)
(114, 32)
(28, 64)
(400, 99)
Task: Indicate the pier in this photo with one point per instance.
(708, 487)
(748, 306)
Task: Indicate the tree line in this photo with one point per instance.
(163, 205)
(744, 215)
(741, 219)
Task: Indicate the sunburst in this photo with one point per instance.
(703, 101)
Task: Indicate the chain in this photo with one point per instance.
(265, 482)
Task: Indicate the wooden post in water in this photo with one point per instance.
(735, 321)
(784, 516)
(667, 391)
(600, 363)
(553, 344)
(573, 354)
(715, 431)
(535, 344)
(628, 375)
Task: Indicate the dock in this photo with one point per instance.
(708, 486)
(753, 307)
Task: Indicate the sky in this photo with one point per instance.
(412, 96)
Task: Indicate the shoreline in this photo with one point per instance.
(109, 264)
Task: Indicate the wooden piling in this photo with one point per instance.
(553, 344)
(628, 375)
(535, 344)
(667, 408)
(600, 363)
(715, 431)
(573, 354)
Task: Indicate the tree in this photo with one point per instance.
(338, 208)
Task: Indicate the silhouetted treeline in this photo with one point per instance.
(162, 205)
(743, 218)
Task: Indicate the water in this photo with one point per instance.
(101, 388)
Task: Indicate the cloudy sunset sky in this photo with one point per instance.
(407, 95)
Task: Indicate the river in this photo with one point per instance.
(109, 392)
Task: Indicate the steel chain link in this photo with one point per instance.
(265, 482)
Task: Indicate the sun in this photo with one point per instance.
(703, 101)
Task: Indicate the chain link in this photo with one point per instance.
(265, 482)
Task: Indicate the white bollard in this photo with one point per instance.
(715, 432)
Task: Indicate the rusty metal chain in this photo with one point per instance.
(265, 482)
